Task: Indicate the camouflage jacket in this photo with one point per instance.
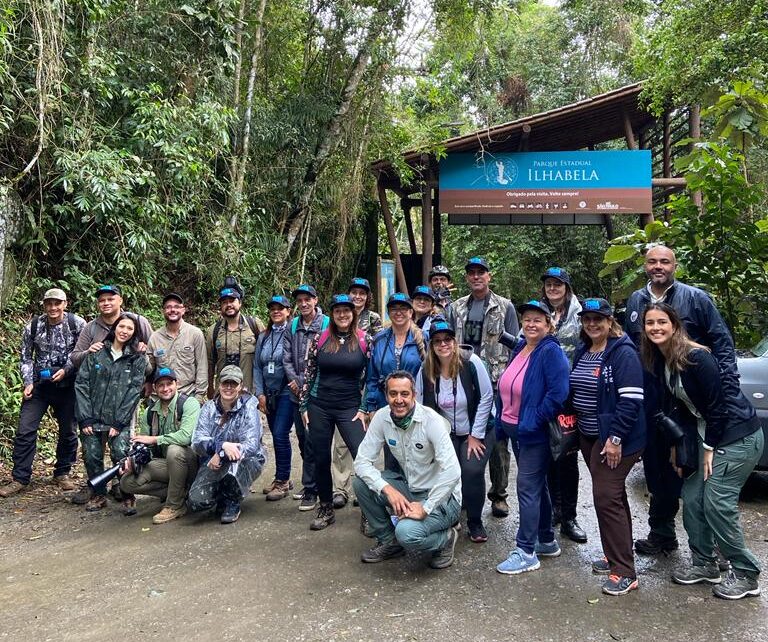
(107, 390)
(493, 355)
(50, 348)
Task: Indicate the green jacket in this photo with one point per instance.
(168, 429)
(107, 391)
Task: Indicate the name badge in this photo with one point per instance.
(271, 367)
(391, 442)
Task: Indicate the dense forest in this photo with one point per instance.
(163, 145)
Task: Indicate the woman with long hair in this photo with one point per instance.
(607, 395)
(722, 424)
(532, 390)
(107, 389)
(271, 389)
(360, 292)
(455, 383)
(332, 396)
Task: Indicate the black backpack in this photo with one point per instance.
(70, 322)
(179, 411)
(217, 327)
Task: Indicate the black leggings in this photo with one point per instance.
(473, 475)
(322, 422)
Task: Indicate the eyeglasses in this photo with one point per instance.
(444, 341)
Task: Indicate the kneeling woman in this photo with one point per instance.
(228, 440)
(332, 396)
(532, 390)
(458, 387)
(607, 395)
(108, 389)
(723, 424)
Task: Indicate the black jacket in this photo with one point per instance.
(702, 321)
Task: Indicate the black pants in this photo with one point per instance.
(62, 401)
(563, 482)
(307, 454)
(322, 422)
(473, 474)
(663, 484)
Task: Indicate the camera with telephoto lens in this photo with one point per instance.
(232, 359)
(139, 455)
(669, 427)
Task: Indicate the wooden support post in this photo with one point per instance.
(426, 219)
(632, 144)
(437, 225)
(402, 284)
(694, 131)
(409, 226)
(666, 156)
(523, 145)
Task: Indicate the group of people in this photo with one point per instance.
(406, 418)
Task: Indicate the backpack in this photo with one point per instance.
(323, 325)
(217, 327)
(70, 322)
(179, 411)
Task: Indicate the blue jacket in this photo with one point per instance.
(545, 390)
(269, 348)
(382, 362)
(620, 394)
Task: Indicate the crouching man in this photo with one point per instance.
(228, 440)
(167, 427)
(426, 496)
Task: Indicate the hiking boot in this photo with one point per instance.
(12, 487)
(735, 586)
(279, 490)
(168, 514)
(65, 483)
(383, 551)
(83, 495)
(231, 512)
(324, 518)
(519, 562)
(655, 545)
(571, 529)
(268, 489)
(477, 533)
(444, 557)
(96, 502)
(601, 567)
(499, 508)
(697, 573)
(128, 505)
(339, 501)
(550, 549)
(115, 491)
(365, 526)
(618, 585)
(308, 501)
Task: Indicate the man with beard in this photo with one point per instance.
(705, 326)
(180, 346)
(231, 340)
(425, 495)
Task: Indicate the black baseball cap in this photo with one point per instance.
(341, 299)
(164, 373)
(279, 299)
(173, 296)
(304, 288)
(229, 293)
(109, 289)
(440, 326)
(557, 273)
(596, 305)
(477, 261)
(423, 290)
(399, 297)
(359, 282)
(533, 304)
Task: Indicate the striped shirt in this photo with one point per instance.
(584, 378)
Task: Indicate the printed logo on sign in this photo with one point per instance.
(582, 204)
(501, 172)
(607, 206)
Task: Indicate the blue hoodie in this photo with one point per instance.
(382, 363)
(545, 390)
(620, 393)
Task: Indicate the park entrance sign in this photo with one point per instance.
(591, 182)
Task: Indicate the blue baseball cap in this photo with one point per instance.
(423, 290)
(304, 288)
(108, 289)
(437, 327)
(533, 304)
(341, 299)
(399, 297)
(557, 273)
(229, 293)
(595, 305)
(359, 282)
(280, 300)
(477, 261)
(164, 373)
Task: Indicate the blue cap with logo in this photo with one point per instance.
(304, 288)
(596, 305)
(341, 299)
(164, 373)
(439, 326)
(280, 300)
(535, 305)
(359, 282)
(108, 289)
(556, 273)
(423, 290)
(399, 298)
(229, 293)
(475, 262)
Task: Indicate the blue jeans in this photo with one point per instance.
(280, 422)
(535, 506)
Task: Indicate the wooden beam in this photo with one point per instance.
(403, 285)
(628, 133)
(668, 182)
(426, 221)
(525, 133)
(437, 225)
(409, 226)
(694, 131)
(666, 146)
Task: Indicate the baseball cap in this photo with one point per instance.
(596, 305)
(440, 326)
(556, 273)
(173, 296)
(533, 304)
(279, 299)
(108, 289)
(477, 261)
(341, 299)
(359, 282)
(399, 297)
(231, 373)
(56, 294)
(423, 290)
(304, 288)
(164, 373)
(229, 293)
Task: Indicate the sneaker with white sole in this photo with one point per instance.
(519, 562)
(697, 573)
(619, 585)
(601, 567)
(736, 586)
(551, 549)
(444, 557)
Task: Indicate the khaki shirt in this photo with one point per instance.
(185, 354)
(239, 344)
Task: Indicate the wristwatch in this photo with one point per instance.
(616, 441)
(222, 454)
